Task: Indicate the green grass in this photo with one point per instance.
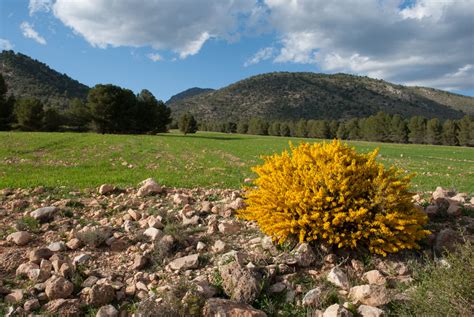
(86, 160)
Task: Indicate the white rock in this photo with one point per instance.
(337, 310)
(153, 233)
(185, 263)
(44, 214)
(370, 311)
(200, 246)
(338, 278)
(218, 246)
(312, 297)
(57, 246)
(374, 277)
(107, 311)
(106, 189)
(148, 187)
(229, 227)
(372, 295)
(20, 238)
(81, 259)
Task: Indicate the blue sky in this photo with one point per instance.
(167, 46)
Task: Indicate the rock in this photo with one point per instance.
(203, 287)
(153, 233)
(219, 307)
(57, 246)
(312, 297)
(459, 198)
(74, 244)
(369, 311)
(31, 304)
(440, 193)
(90, 281)
(81, 259)
(118, 245)
(155, 223)
(446, 240)
(372, 295)
(185, 263)
(236, 204)
(277, 288)
(100, 295)
(64, 307)
(454, 210)
(140, 262)
(37, 255)
(431, 211)
(20, 238)
(14, 297)
(200, 246)
(58, 287)
(229, 227)
(44, 214)
(218, 246)
(107, 311)
(148, 187)
(106, 189)
(239, 283)
(190, 221)
(24, 269)
(337, 277)
(206, 206)
(374, 277)
(337, 310)
(304, 255)
(134, 214)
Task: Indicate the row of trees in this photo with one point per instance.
(381, 127)
(109, 109)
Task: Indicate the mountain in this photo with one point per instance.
(292, 96)
(29, 78)
(188, 93)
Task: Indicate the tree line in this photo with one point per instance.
(381, 127)
(108, 109)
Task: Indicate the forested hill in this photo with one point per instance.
(188, 93)
(293, 96)
(29, 78)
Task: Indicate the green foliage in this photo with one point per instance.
(151, 115)
(187, 124)
(6, 106)
(449, 133)
(52, 120)
(27, 223)
(29, 114)
(398, 130)
(258, 126)
(434, 131)
(417, 127)
(465, 133)
(78, 115)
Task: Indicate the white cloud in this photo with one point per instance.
(427, 42)
(262, 55)
(179, 25)
(5, 45)
(35, 6)
(155, 57)
(29, 32)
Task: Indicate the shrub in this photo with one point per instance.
(330, 193)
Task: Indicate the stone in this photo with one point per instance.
(206, 206)
(200, 246)
(446, 239)
(14, 297)
(107, 311)
(37, 255)
(58, 287)
(336, 310)
(106, 189)
(134, 214)
(370, 311)
(24, 269)
(431, 211)
(277, 287)
(218, 246)
(64, 307)
(337, 277)
(155, 223)
(100, 295)
(148, 187)
(57, 246)
(204, 288)
(90, 281)
(239, 283)
(219, 307)
(20, 237)
(304, 255)
(439, 193)
(74, 244)
(185, 263)
(44, 214)
(229, 227)
(31, 305)
(140, 262)
(313, 297)
(236, 204)
(190, 221)
(454, 210)
(374, 277)
(372, 295)
(153, 233)
(81, 259)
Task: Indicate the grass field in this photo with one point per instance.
(78, 161)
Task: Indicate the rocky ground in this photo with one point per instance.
(156, 251)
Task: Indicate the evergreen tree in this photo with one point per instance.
(274, 129)
(353, 129)
(465, 133)
(150, 115)
(242, 127)
(417, 129)
(318, 129)
(78, 117)
(6, 107)
(398, 130)
(230, 127)
(285, 129)
(333, 127)
(52, 120)
(434, 131)
(258, 126)
(29, 114)
(377, 128)
(187, 124)
(301, 129)
(449, 133)
(342, 133)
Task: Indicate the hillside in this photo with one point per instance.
(27, 77)
(188, 93)
(283, 96)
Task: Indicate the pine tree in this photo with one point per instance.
(417, 129)
(29, 114)
(318, 129)
(285, 129)
(450, 131)
(301, 129)
(465, 134)
(187, 124)
(342, 133)
(6, 106)
(274, 129)
(434, 131)
(398, 130)
(242, 127)
(52, 120)
(353, 129)
(258, 126)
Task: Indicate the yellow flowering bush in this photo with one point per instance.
(330, 193)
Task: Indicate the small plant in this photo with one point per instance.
(329, 193)
(93, 236)
(28, 223)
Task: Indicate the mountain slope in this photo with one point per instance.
(188, 93)
(27, 78)
(284, 96)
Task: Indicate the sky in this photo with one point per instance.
(167, 46)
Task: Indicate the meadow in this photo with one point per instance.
(85, 160)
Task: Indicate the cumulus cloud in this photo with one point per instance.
(155, 57)
(179, 25)
(262, 55)
(35, 6)
(29, 32)
(426, 43)
(5, 45)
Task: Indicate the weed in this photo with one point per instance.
(28, 223)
